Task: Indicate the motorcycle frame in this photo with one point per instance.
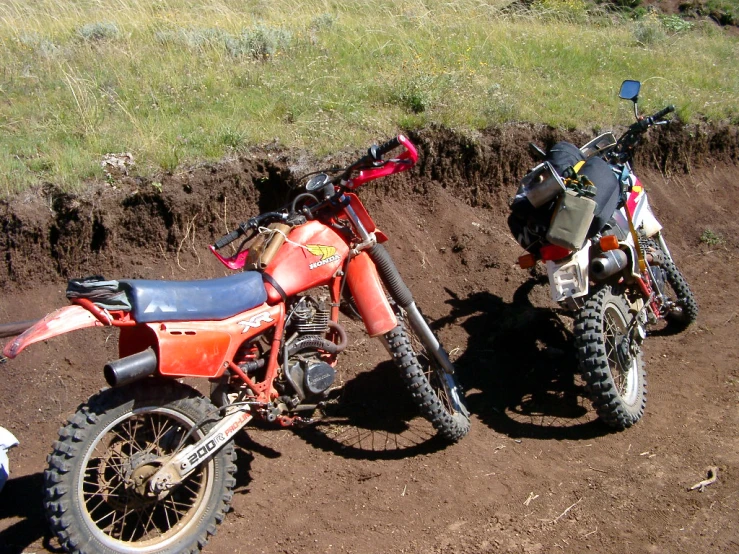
(207, 349)
(569, 277)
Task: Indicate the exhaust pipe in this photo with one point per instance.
(13, 329)
(608, 263)
(131, 368)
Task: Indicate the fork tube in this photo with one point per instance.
(419, 325)
(368, 239)
(402, 295)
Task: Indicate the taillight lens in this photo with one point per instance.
(553, 252)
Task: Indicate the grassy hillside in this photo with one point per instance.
(177, 81)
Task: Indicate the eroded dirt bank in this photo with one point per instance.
(537, 474)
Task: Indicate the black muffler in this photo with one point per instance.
(608, 263)
(131, 368)
(13, 329)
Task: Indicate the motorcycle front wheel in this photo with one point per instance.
(610, 358)
(680, 294)
(96, 498)
(436, 392)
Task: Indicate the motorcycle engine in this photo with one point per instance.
(306, 371)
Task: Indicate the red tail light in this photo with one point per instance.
(553, 252)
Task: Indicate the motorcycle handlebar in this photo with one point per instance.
(390, 145)
(252, 223)
(227, 239)
(373, 166)
(372, 160)
(660, 114)
(650, 120)
(633, 135)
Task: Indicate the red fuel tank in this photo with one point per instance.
(309, 257)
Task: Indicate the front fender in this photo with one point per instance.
(369, 296)
(63, 320)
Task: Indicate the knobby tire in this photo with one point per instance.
(618, 394)
(684, 296)
(88, 498)
(423, 379)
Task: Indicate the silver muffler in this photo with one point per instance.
(131, 368)
(608, 263)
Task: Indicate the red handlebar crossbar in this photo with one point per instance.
(405, 161)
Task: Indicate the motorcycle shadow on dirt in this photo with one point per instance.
(520, 368)
(372, 417)
(21, 500)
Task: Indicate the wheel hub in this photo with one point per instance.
(139, 481)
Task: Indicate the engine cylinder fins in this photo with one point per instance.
(311, 317)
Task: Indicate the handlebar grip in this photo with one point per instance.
(660, 114)
(392, 144)
(227, 239)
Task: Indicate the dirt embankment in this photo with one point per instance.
(538, 473)
(48, 234)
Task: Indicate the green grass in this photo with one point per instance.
(711, 238)
(725, 12)
(175, 82)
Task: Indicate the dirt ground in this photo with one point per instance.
(538, 472)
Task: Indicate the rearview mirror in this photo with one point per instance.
(630, 90)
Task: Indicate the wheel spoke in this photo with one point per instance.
(149, 524)
(166, 516)
(114, 524)
(613, 327)
(116, 510)
(110, 514)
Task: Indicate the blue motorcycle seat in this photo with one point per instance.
(203, 300)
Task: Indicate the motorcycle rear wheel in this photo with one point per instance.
(611, 362)
(110, 445)
(437, 393)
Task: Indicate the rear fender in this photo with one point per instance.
(63, 320)
(569, 278)
(369, 296)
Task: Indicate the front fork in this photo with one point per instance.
(661, 304)
(403, 297)
(398, 290)
(429, 340)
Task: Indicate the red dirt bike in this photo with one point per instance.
(585, 214)
(147, 465)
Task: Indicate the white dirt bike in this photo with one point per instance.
(585, 214)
